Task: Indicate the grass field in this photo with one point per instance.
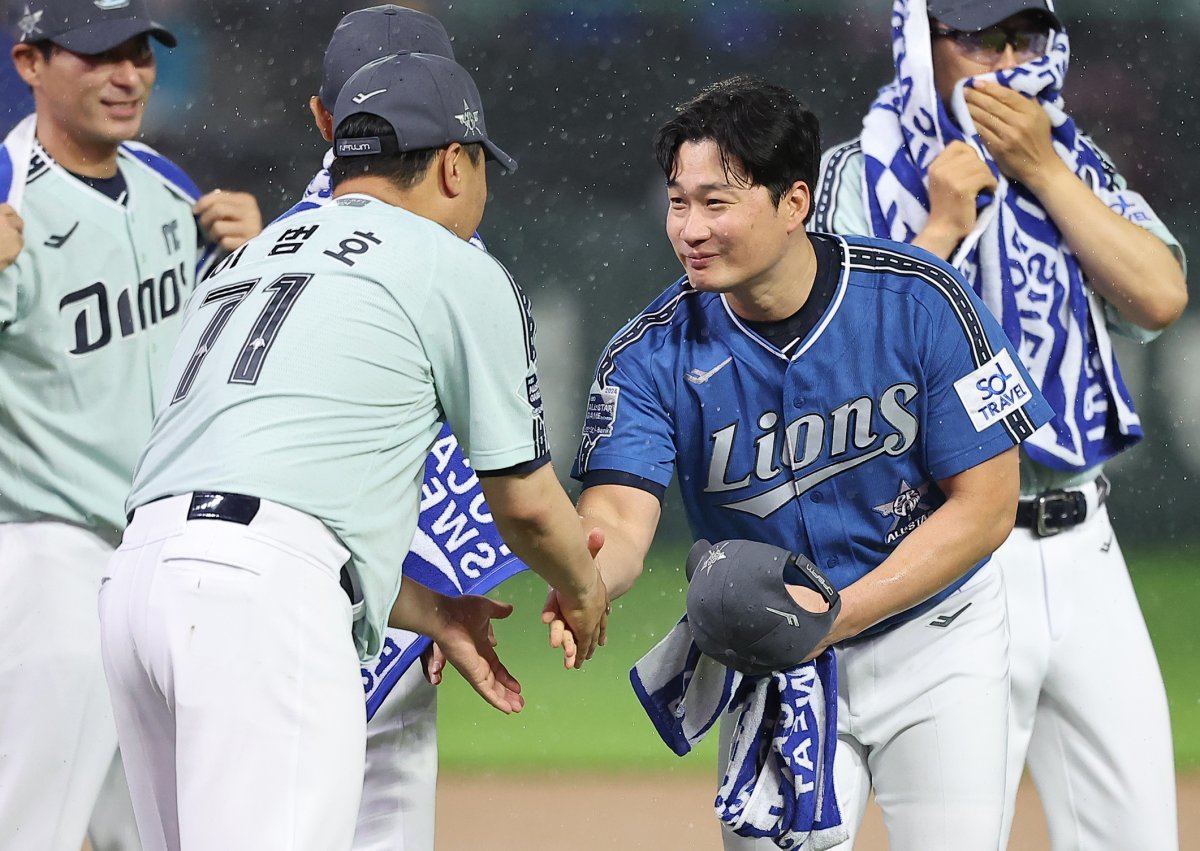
(590, 720)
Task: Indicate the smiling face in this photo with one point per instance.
(88, 105)
(728, 234)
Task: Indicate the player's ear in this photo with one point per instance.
(452, 162)
(28, 60)
(321, 117)
(795, 204)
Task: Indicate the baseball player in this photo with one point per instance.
(1064, 254)
(279, 490)
(101, 243)
(397, 810)
(847, 398)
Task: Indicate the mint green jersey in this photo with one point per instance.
(89, 313)
(316, 367)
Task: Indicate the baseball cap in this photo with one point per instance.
(88, 26)
(974, 15)
(429, 101)
(740, 611)
(369, 34)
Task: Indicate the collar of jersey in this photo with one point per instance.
(826, 319)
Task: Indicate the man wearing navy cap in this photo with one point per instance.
(274, 504)
(971, 154)
(101, 242)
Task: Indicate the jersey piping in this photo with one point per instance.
(831, 185)
(1018, 424)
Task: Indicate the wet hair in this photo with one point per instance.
(404, 169)
(765, 135)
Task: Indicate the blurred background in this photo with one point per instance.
(575, 89)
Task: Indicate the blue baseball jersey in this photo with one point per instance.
(834, 449)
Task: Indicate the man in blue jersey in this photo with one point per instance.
(101, 242)
(845, 398)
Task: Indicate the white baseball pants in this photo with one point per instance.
(922, 715)
(399, 787)
(1089, 711)
(57, 738)
(235, 683)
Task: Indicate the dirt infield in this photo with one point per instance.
(668, 813)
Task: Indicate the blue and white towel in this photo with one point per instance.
(456, 549)
(778, 783)
(20, 154)
(1016, 259)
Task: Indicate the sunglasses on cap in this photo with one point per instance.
(986, 45)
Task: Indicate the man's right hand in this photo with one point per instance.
(956, 177)
(579, 624)
(12, 239)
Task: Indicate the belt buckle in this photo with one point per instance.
(1039, 525)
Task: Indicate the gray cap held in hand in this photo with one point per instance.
(369, 34)
(741, 613)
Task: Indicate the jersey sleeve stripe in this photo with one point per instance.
(637, 328)
(1018, 424)
(829, 183)
(633, 331)
(541, 440)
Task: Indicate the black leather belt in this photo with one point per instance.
(230, 507)
(239, 508)
(1055, 511)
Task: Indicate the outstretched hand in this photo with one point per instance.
(561, 612)
(466, 640)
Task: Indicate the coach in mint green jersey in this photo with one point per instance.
(101, 243)
(275, 501)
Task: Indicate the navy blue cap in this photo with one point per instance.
(429, 101)
(88, 26)
(369, 34)
(975, 15)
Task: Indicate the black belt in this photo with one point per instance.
(1054, 511)
(230, 507)
(241, 509)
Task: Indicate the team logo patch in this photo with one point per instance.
(993, 391)
(907, 509)
(601, 412)
(533, 392)
(469, 119)
(715, 555)
(30, 23)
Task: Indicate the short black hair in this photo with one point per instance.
(405, 169)
(44, 46)
(762, 130)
